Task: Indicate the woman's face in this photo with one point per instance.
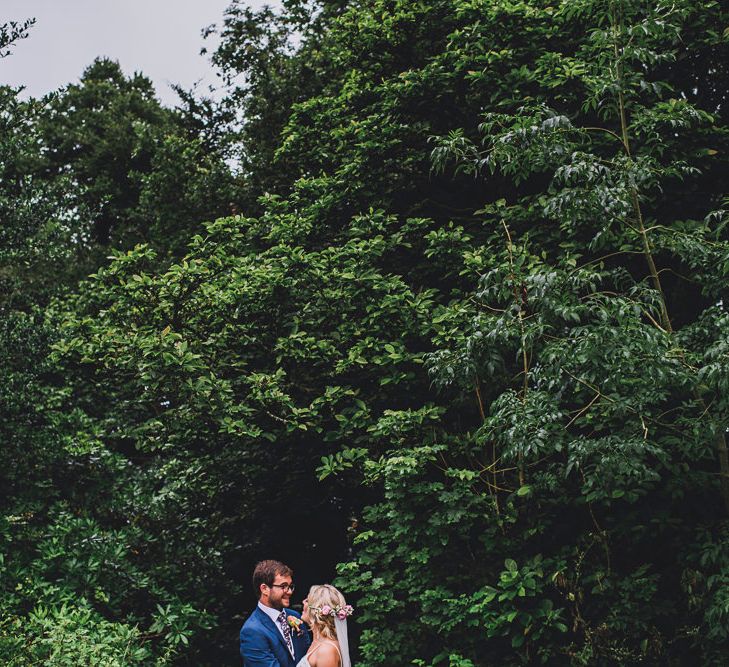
(305, 613)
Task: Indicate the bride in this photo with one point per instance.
(325, 612)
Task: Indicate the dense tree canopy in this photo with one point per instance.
(456, 322)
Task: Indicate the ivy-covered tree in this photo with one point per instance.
(575, 509)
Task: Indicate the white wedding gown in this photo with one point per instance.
(304, 662)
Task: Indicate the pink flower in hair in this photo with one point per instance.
(326, 610)
(342, 614)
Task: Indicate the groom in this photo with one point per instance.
(268, 638)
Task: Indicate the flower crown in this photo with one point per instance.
(340, 612)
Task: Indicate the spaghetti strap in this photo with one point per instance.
(322, 642)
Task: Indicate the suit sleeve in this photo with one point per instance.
(256, 651)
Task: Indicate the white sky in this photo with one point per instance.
(160, 38)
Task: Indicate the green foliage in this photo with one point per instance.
(574, 354)
(43, 232)
(60, 594)
(77, 585)
(141, 172)
(96, 131)
(476, 313)
(70, 636)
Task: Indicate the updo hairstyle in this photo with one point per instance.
(321, 596)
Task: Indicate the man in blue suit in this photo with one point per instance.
(268, 638)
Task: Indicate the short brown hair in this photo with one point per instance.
(265, 572)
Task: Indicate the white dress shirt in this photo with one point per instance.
(273, 614)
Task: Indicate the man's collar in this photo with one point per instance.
(273, 614)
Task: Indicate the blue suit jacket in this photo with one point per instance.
(262, 645)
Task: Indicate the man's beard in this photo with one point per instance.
(277, 604)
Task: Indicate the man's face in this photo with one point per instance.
(278, 595)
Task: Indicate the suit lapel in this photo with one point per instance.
(272, 627)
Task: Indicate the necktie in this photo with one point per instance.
(286, 631)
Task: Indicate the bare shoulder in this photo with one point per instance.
(327, 656)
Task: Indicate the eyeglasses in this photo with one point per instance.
(284, 587)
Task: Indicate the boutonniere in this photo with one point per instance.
(295, 624)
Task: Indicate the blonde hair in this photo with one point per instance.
(319, 596)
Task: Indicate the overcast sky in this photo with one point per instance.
(160, 38)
